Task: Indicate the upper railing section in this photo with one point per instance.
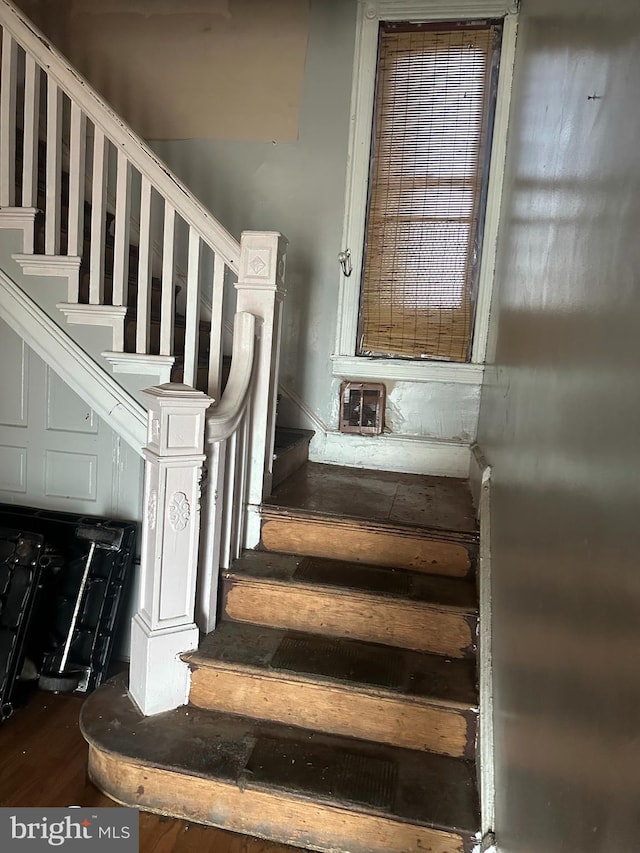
(148, 252)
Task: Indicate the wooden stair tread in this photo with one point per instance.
(435, 504)
(447, 592)
(400, 784)
(288, 437)
(349, 663)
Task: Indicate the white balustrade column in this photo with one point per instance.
(260, 292)
(164, 627)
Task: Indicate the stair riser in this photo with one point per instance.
(336, 710)
(341, 540)
(261, 813)
(407, 625)
(288, 461)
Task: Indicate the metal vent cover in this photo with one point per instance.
(362, 407)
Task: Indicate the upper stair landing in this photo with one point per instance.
(421, 523)
(435, 503)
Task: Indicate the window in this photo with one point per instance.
(432, 126)
(357, 353)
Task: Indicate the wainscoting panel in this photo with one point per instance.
(13, 469)
(14, 406)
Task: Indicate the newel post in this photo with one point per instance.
(164, 627)
(260, 290)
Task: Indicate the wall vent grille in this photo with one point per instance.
(362, 407)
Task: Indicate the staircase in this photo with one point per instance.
(332, 703)
(119, 279)
(335, 705)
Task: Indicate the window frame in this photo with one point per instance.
(369, 15)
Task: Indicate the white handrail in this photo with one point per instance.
(223, 420)
(120, 134)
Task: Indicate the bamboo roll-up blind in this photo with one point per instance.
(433, 103)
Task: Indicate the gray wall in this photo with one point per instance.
(297, 188)
(560, 422)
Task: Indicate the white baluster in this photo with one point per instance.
(168, 290)
(8, 121)
(144, 269)
(98, 217)
(77, 171)
(192, 316)
(211, 540)
(229, 508)
(214, 388)
(121, 232)
(242, 462)
(259, 287)
(53, 169)
(164, 626)
(30, 140)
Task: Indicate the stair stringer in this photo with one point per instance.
(73, 365)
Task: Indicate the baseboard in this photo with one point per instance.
(391, 452)
(305, 418)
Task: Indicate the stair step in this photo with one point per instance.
(395, 607)
(339, 686)
(290, 452)
(318, 791)
(373, 542)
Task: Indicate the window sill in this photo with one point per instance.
(399, 370)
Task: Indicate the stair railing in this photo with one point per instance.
(179, 591)
(47, 108)
(50, 117)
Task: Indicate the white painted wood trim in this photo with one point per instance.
(8, 73)
(164, 627)
(98, 216)
(77, 158)
(391, 452)
(121, 230)
(53, 265)
(399, 370)
(21, 219)
(60, 266)
(79, 314)
(494, 189)
(211, 538)
(167, 297)
(31, 132)
(436, 10)
(260, 291)
(217, 329)
(140, 364)
(53, 168)
(108, 399)
(138, 153)
(316, 423)
(370, 13)
(143, 305)
(486, 736)
(192, 310)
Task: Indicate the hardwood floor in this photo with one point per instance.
(43, 763)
